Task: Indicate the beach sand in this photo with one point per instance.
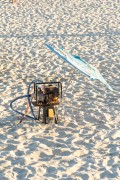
(85, 144)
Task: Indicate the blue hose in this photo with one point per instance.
(28, 97)
(11, 105)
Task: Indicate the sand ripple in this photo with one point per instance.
(86, 142)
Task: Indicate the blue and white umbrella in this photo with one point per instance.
(80, 64)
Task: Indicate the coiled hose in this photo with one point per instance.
(29, 102)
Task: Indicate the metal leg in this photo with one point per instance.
(56, 115)
(44, 114)
(39, 113)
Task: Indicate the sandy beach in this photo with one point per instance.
(85, 144)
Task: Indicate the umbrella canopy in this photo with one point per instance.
(80, 64)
